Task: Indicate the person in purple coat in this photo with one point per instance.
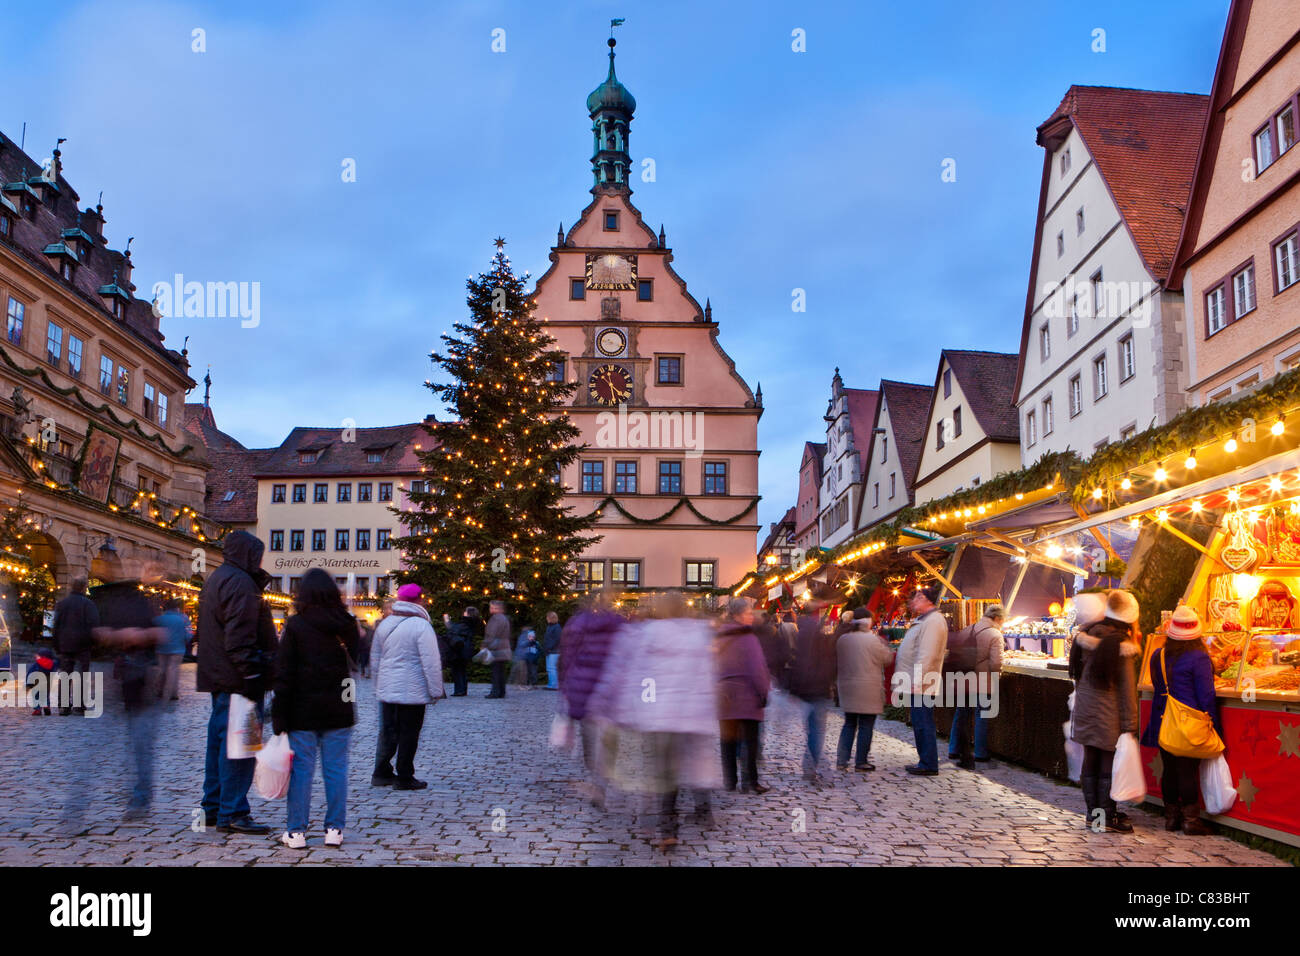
(743, 686)
(585, 644)
(1186, 664)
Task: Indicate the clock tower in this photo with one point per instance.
(671, 428)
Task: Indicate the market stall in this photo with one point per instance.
(1242, 526)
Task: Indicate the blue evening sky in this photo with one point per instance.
(776, 170)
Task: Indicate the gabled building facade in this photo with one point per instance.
(807, 534)
(777, 550)
(1238, 259)
(849, 416)
(91, 396)
(897, 434)
(972, 431)
(1102, 346)
(671, 427)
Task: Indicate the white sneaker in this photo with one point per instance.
(294, 841)
(333, 837)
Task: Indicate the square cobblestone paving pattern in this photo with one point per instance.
(64, 783)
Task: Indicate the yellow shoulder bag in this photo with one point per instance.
(1186, 731)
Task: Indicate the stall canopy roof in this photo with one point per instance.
(1039, 514)
(1265, 468)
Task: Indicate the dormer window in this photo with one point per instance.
(66, 271)
(6, 227)
(374, 457)
(307, 458)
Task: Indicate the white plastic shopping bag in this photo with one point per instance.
(1073, 754)
(274, 761)
(562, 733)
(1126, 780)
(244, 729)
(1216, 785)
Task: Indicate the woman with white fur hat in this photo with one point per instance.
(1103, 662)
(1185, 663)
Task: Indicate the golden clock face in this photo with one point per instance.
(611, 271)
(610, 384)
(611, 342)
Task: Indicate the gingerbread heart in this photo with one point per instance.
(1219, 608)
(1238, 559)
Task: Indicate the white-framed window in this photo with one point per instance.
(884, 448)
(1216, 317)
(1060, 244)
(1100, 383)
(1243, 290)
(1049, 416)
(1264, 149)
(1098, 295)
(875, 495)
(1078, 222)
(1065, 161)
(1031, 429)
(1127, 432)
(1127, 359)
(1284, 259)
(1285, 129)
(893, 476)
(1072, 324)
(1076, 394)
(1044, 342)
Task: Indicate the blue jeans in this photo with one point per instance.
(927, 746)
(863, 724)
(815, 715)
(553, 671)
(333, 748)
(959, 718)
(141, 723)
(225, 781)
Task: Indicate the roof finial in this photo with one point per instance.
(207, 386)
(662, 243)
(559, 235)
(758, 395)
(708, 310)
(127, 252)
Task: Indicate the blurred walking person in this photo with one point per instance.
(172, 649)
(812, 681)
(551, 650)
(237, 645)
(743, 686)
(313, 671)
(496, 641)
(126, 623)
(584, 650)
(862, 656)
(658, 686)
(408, 677)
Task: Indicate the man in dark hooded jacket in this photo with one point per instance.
(236, 654)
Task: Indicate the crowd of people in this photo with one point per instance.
(662, 701)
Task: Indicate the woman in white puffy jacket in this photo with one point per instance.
(407, 670)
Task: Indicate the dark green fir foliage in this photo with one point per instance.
(490, 523)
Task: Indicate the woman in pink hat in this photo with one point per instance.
(1186, 663)
(408, 677)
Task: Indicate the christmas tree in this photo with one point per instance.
(489, 523)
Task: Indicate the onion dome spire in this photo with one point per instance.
(611, 107)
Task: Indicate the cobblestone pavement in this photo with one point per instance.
(488, 761)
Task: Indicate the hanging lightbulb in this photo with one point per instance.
(1233, 495)
(1190, 463)
(1230, 445)
(1134, 523)
(1126, 484)
(1096, 492)
(1278, 426)
(1161, 474)
(1162, 515)
(1054, 550)
(1275, 484)
(1196, 506)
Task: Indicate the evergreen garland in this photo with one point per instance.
(681, 502)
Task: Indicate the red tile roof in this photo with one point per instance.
(395, 444)
(231, 494)
(862, 404)
(988, 380)
(1145, 144)
(908, 407)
